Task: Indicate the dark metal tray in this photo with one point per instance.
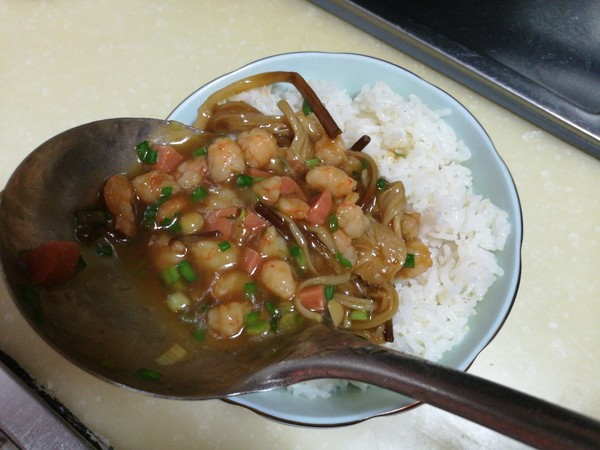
(538, 58)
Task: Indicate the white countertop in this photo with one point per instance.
(64, 63)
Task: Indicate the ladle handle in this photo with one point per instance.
(510, 412)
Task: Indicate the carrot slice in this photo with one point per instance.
(253, 222)
(52, 263)
(289, 186)
(168, 158)
(250, 260)
(313, 297)
(320, 208)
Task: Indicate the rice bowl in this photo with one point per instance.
(453, 177)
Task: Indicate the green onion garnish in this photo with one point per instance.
(298, 255)
(271, 309)
(333, 223)
(381, 184)
(224, 246)
(313, 162)
(364, 164)
(289, 320)
(306, 108)
(258, 327)
(147, 374)
(409, 262)
(170, 275)
(343, 260)
(329, 292)
(198, 194)
(199, 152)
(356, 314)
(252, 317)
(171, 224)
(104, 250)
(145, 153)
(186, 270)
(199, 334)
(250, 290)
(244, 180)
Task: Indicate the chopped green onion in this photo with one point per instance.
(250, 290)
(382, 183)
(289, 320)
(224, 246)
(151, 157)
(243, 180)
(409, 262)
(170, 275)
(329, 292)
(145, 153)
(343, 260)
(258, 327)
(104, 249)
(270, 308)
(198, 194)
(333, 222)
(252, 317)
(147, 374)
(357, 314)
(364, 164)
(177, 301)
(313, 162)
(151, 210)
(199, 152)
(171, 224)
(199, 334)
(186, 270)
(298, 255)
(306, 108)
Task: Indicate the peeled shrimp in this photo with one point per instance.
(258, 147)
(331, 151)
(224, 159)
(293, 207)
(422, 259)
(271, 243)
(268, 190)
(171, 207)
(331, 178)
(190, 174)
(207, 255)
(228, 319)
(149, 186)
(230, 285)
(119, 197)
(277, 276)
(165, 252)
(352, 219)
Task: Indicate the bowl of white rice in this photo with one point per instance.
(453, 176)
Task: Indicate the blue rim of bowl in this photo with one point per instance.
(285, 60)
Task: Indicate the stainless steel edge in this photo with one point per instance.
(489, 78)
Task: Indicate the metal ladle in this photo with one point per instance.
(105, 312)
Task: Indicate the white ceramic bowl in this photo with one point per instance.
(491, 178)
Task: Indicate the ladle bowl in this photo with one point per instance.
(105, 322)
